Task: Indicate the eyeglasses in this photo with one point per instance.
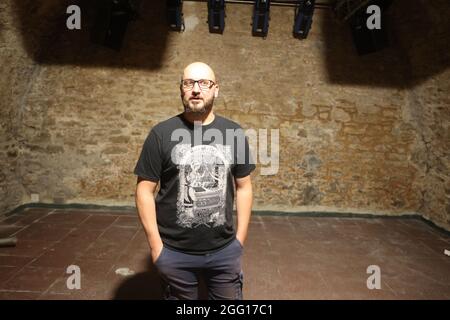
(204, 84)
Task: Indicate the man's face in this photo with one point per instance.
(198, 99)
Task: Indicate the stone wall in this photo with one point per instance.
(16, 69)
(25, 32)
(351, 136)
(424, 35)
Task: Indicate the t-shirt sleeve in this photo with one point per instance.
(149, 165)
(244, 161)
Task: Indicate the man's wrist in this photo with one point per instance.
(240, 239)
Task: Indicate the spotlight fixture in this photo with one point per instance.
(369, 40)
(261, 17)
(216, 16)
(355, 12)
(111, 21)
(304, 12)
(175, 14)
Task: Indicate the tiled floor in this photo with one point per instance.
(284, 257)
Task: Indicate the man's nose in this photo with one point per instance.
(196, 88)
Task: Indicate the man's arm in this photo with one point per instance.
(244, 200)
(145, 203)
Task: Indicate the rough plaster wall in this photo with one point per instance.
(20, 70)
(17, 70)
(427, 104)
(345, 145)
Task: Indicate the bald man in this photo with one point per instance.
(202, 163)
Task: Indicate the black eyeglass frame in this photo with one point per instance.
(212, 83)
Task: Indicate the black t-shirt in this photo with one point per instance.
(196, 166)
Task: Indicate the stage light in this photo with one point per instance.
(261, 17)
(303, 18)
(175, 14)
(216, 16)
(111, 21)
(367, 40)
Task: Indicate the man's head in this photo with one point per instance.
(198, 88)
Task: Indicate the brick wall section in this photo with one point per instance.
(427, 104)
(16, 69)
(349, 146)
(20, 116)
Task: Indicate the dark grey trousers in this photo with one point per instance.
(221, 272)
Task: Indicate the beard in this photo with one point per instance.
(201, 106)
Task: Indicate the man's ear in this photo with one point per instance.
(216, 94)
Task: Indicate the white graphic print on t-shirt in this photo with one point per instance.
(203, 172)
